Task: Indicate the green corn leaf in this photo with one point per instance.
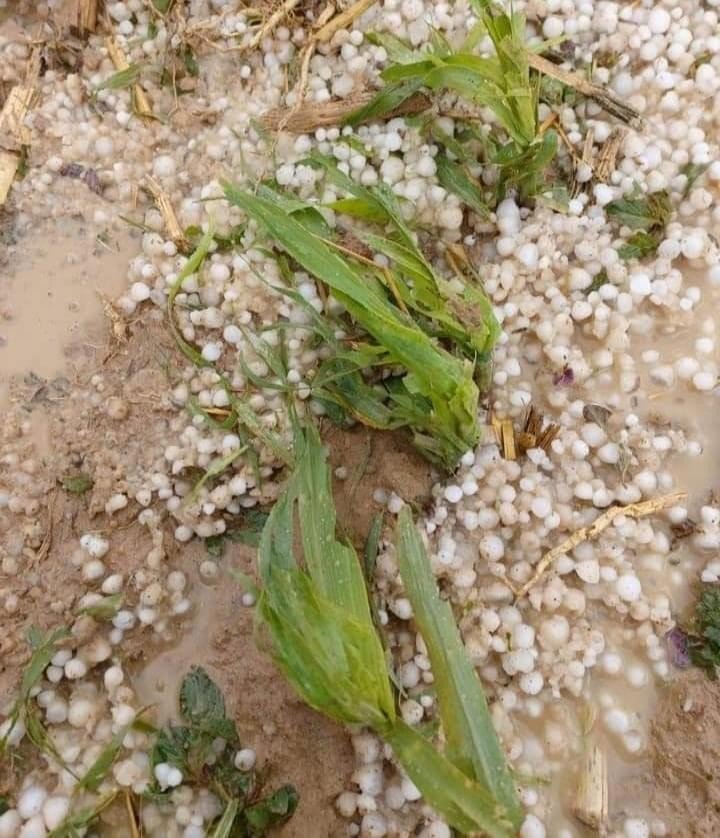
(319, 619)
(371, 545)
(473, 745)
(465, 804)
(93, 777)
(358, 208)
(44, 647)
(325, 641)
(456, 179)
(450, 415)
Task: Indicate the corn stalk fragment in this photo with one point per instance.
(313, 115)
(591, 799)
(602, 522)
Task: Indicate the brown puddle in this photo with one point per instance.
(51, 284)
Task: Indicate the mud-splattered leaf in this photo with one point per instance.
(597, 413)
(639, 245)
(272, 811)
(692, 172)
(104, 609)
(643, 212)
(77, 484)
(201, 702)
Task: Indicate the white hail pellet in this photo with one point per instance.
(33, 828)
(245, 759)
(436, 829)
(112, 584)
(453, 494)
(374, 825)
(531, 683)
(10, 823)
(113, 677)
(532, 827)
(636, 828)
(628, 587)
(346, 804)
(75, 669)
(93, 570)
(94, 545)
(54, 810)
(616, 721)
(115, 503)
(31, 801)
(369, 778)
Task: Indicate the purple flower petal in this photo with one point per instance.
(564, 378)
(677, 646)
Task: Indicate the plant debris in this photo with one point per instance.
(703, 641)
(632, 510)
(88, 176)
(194, 750)
(336, 661)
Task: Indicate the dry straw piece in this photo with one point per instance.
(607, 157)
(596, 92)
(602, 522)
(343, 20)
(279, 14)
(14, 134)
(311, 115)
(77, 15)
(172, 224)
(140, 100)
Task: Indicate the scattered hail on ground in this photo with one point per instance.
(480, 252)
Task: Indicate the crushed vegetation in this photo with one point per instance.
(451, 253)
(324, 638)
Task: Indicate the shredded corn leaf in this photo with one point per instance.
(437, 397)
(473, 745)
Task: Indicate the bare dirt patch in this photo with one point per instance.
(372, 460)
(685, 751)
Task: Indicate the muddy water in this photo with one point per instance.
(52, 284)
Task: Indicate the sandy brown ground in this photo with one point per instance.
(685, 786)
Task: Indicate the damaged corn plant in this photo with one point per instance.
(418, 344)
(502, 82)
(319, 620)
